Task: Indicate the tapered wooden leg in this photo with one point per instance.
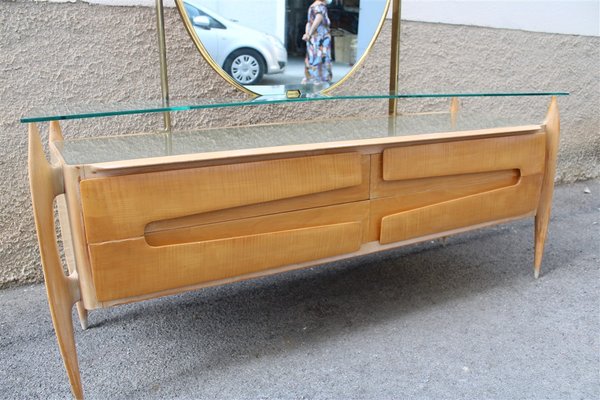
(55, 135)
(83, 315)
(63, 217)
(63, 291)
(542, 217)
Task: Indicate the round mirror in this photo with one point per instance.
(272, 47)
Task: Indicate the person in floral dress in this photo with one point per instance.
(318, 44)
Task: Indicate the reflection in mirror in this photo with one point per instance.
(268, 47)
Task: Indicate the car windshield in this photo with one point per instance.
(193, 12)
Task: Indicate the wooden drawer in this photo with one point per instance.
(434, 188)
(490, 206)
(168, 260)
(456, 168)
(121, 207)
(523, 152)
(409, 195)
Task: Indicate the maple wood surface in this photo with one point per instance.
(475, 209)
(313, 200)
(355, 211)
(392, 197)
(146, 228)
(542, 218)
(120, 207)
(132, 267)
(63, 291)
(74, 246)
(525, 153)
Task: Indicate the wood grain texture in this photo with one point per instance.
(132, 268)
(366, 248)
(542, 217)
(444, 187)
(351, 212)
(471, 210)
(72, 176)
(339, 196)
(120, 207)
(62, 291)
(69, 252)
(55, 135)
(398, 196)
(464, 157)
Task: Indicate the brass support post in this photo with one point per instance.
(162, 49)
(394, 56)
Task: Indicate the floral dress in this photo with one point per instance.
(318, 48)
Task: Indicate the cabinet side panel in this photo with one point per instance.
(77, 229)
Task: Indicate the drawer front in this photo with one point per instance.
(116, 208)
(351, 212)
(163, 260)
(494, 205)
(524, 153)
(428, 189)
(401, 196)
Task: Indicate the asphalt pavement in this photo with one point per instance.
(464, 320)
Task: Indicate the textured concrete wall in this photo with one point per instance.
(89, 54)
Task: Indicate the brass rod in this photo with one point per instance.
(162, 49)
(454, 107)
(395, 55)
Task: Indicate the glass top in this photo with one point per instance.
(126, 108)
(150, 145)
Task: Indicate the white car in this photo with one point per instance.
(244, 53)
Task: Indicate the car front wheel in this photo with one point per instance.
(246, 66)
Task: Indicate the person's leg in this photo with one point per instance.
(312, 60)
(326, 72)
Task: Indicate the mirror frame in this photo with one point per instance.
(217, 68)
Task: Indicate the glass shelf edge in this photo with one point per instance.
(259, 101)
